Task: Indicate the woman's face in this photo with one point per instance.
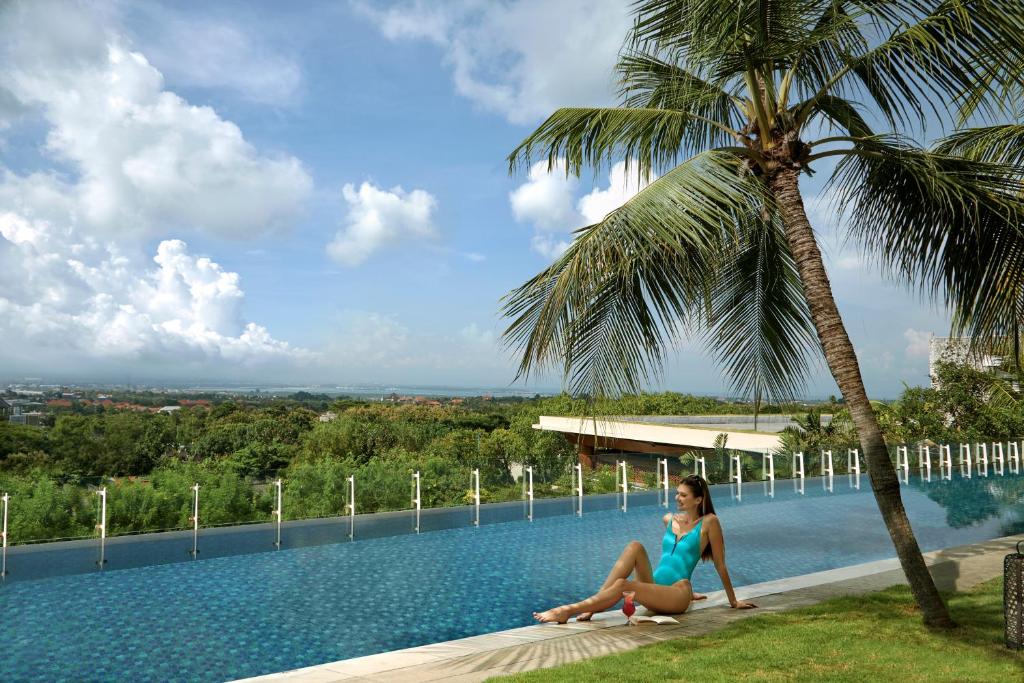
(685, 498)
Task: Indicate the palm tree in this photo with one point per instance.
(728, 103)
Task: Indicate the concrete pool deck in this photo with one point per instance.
(540, 646)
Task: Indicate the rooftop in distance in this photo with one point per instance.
(671, 434)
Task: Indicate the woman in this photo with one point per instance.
(693, 533)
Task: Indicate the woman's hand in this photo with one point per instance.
(740, 604)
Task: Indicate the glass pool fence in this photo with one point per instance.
(134, 522)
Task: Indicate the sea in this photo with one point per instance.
(380, 390)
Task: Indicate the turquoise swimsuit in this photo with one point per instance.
(678, 556)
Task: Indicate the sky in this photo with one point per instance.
(247, 191)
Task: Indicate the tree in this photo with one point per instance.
(724, 106)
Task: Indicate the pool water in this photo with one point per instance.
(230, 617)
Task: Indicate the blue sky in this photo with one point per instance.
(245, 191)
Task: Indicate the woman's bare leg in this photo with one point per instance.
(633, 558)
(672, 599)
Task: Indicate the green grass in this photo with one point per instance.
(873, 637)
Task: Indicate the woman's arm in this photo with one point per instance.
(717, 541)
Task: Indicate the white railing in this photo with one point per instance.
(701, 463)
(579, 489)
(529, 493)
(924, 459)
(946, 461)
(620, 467)
(902, 459)
(278, 512)
(5, 499)
(826, 456)
(195, 520)
(798, 455)
(417, 500)
(476, 497)
(351, 505)
(663, 480)
(102, 526)
(735, 464)
(768, 467)
(965, 459)
(1015, 457)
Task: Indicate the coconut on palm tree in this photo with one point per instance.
(724, 105)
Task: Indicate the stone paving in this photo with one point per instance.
(469, 660)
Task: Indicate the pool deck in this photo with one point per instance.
(535, 647)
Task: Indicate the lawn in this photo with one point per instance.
(872, 637)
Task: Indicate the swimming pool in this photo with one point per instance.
(221, 618)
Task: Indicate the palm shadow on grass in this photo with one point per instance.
(875, 636)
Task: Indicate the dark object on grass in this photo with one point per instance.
(1013, 598)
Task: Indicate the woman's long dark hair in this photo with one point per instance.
(698, 487)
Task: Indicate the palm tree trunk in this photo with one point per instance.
(842, 361)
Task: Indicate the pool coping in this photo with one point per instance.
(479, 657)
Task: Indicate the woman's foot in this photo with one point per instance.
(555, 615)
(699, 596)
(584, 616)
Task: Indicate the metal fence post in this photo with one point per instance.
(924, 459)
(195, 520)
(417, 501)
(351, 507)
(5, 499)
(476, 496)
(579, 488)
(625, 485)
(278, 512)
(102, 526)
(529, 492)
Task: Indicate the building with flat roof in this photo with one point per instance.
(660, 435)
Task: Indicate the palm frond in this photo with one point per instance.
(648, 82)
(761, 330)
(1001, 144)
(840, 113)
(607, 309)
(654, 138)
(949, 225)
(964, 53)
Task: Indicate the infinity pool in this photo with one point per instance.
(233, 616)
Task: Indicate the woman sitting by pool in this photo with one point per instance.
(693, 533)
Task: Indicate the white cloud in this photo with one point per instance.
(203, 52)
(623, 185)
(521, 59)
(918, 343)
(545, 200)
(476, 335)
(144, 159)
(71, 297)
(379, 218)
(547, 247)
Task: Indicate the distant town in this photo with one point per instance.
(37, 403)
